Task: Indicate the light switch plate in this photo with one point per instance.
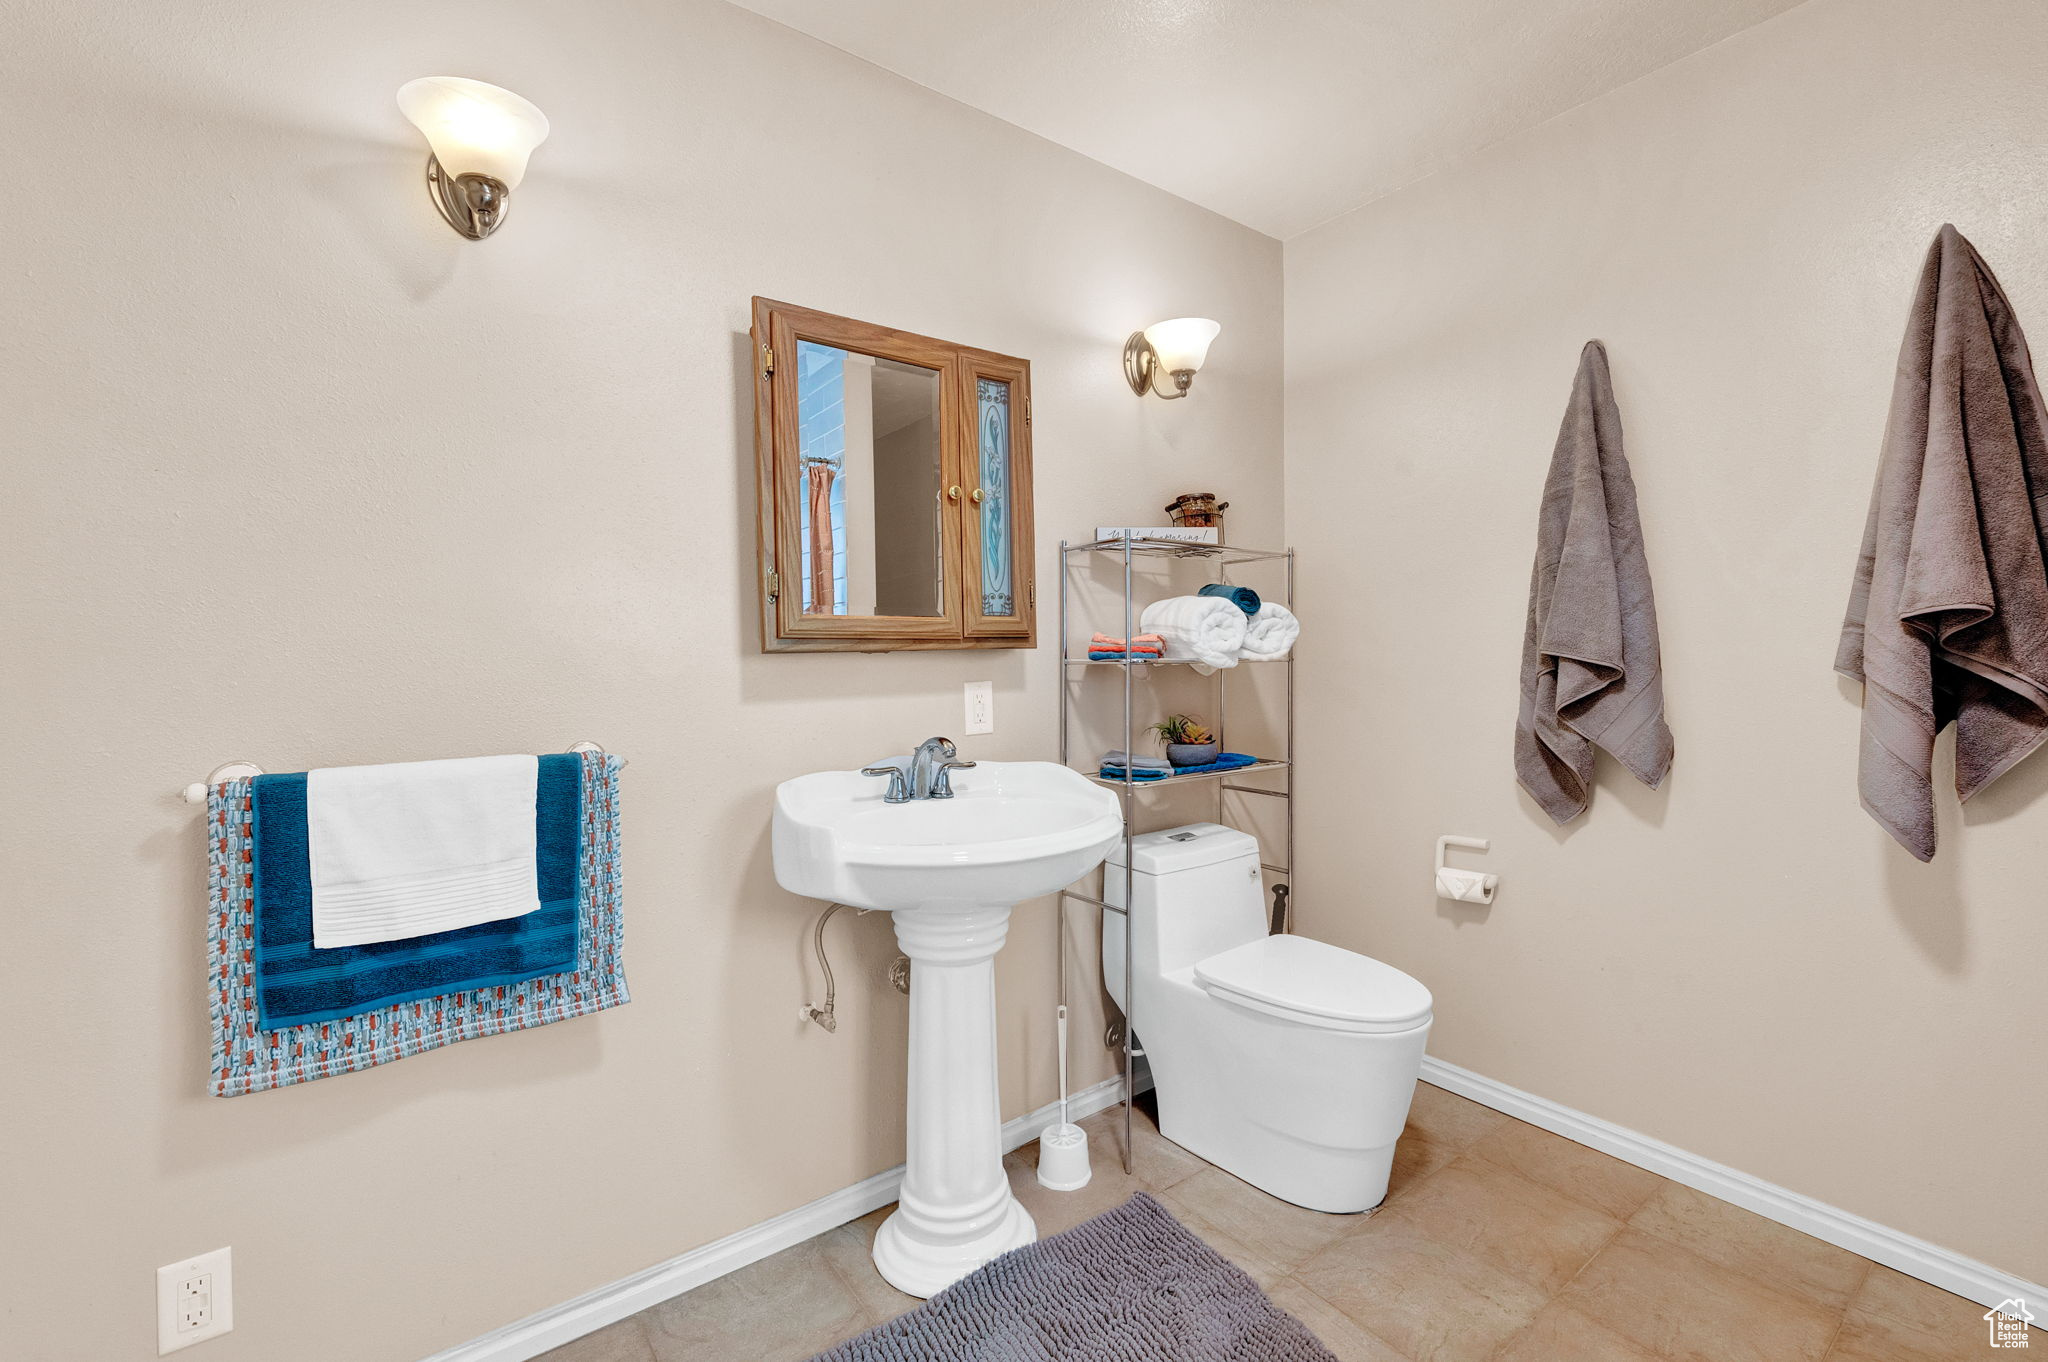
(195, 1300)
(981, 708)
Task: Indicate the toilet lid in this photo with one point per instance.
(1315, 980)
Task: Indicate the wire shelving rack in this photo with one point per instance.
(1221, 558)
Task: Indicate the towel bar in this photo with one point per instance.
(195, 793)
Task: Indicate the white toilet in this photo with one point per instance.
(1286, 1061)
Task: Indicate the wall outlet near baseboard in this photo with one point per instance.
(195, 1301)
(981, 708)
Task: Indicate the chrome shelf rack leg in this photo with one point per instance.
(1130, 937)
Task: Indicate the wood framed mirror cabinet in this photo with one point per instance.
(893, 488)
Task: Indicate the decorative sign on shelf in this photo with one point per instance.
(1179, 534)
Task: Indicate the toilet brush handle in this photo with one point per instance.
(1063, 1065)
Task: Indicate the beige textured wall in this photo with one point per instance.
(294, 474)
(1742, 963)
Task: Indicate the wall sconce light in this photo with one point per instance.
(1172, 349)
(481, 136)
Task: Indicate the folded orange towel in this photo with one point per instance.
(1140, 643)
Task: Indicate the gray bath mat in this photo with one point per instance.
(1131, 1285)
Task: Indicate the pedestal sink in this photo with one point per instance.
(950, 871)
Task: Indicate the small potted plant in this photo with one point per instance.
(1188, 743)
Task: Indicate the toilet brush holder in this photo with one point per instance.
(1063, 1148)
(1063, 1158)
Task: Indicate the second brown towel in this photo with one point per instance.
(1591, 675)
(1948, 615)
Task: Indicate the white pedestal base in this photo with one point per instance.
(921, 1269)
(956, 1211)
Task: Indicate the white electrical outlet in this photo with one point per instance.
(195, 1301)
(981, 708)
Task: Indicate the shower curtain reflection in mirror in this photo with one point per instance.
(870, 513)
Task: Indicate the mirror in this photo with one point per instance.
(870, 515)
(893, 477)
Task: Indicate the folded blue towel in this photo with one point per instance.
(1140, 775)
(1118, 655)
(1243, 597)
(1225, 761)
(297, 983)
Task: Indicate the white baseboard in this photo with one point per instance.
(1930, 1263)
(551, 1328)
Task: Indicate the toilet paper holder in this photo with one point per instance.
(1465, 886)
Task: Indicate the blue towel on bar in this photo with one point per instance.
(1225, 761)
(1243, 597)
(297, 983)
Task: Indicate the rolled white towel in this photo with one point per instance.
(1269, 636)
(1204, 630)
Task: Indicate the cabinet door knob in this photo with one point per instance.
(977, 496)
(953, 493)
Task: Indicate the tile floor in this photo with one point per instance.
(1498, 1242)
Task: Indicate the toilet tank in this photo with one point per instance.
(1196, 891)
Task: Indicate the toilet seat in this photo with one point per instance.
(1315, 984)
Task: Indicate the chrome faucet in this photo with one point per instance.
(929, 776)
(899, 788)
(932, 767)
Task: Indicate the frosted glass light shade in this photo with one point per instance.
(474, 128)
(1183, 343)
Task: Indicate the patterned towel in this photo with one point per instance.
(249, 1057)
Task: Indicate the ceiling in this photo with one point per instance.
(1281, 114)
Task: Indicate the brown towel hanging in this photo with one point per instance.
(1948, 615)
(1591, 675)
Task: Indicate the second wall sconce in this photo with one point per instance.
(481, 136)
(1167, 354)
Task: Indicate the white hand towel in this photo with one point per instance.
(1204, 630)
(1269, 635)
(416, 847)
